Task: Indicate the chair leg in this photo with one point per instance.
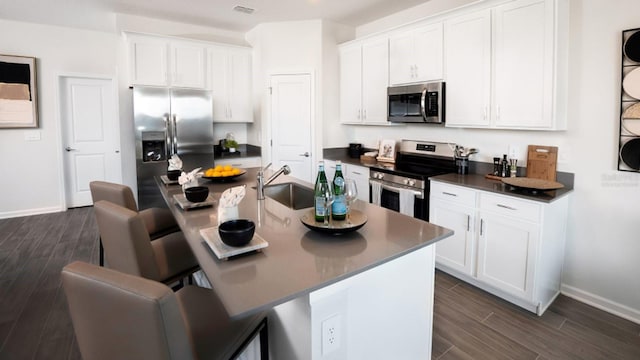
(101, 256)
(264, 341)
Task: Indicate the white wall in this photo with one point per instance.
(32, 173)
(601, 262)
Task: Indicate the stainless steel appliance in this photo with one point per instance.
(420, 103)
(415, 163)
(167, 122)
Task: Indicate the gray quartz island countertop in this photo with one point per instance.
(297, 260)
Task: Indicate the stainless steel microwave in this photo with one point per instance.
(419, 103)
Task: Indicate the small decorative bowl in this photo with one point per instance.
(237, 232)
(196, 194)
(173, 174)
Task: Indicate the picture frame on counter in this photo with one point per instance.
(18, 92)
(387, 151)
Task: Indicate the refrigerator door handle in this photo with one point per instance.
(168, 147)
(175, 134)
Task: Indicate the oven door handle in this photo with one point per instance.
(396, 189)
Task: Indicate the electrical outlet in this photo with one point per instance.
(514, 150)
(331, 333)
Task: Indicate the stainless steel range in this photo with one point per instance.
(404, 186)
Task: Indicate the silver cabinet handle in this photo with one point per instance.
(506, 207)
(468, 222)
(68, 148)
(481, 226)
(357, 173)
(450, 194)
(306, 154)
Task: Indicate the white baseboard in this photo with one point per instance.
(29, 212)
(601, 303)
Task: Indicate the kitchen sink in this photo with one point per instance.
(291, 195)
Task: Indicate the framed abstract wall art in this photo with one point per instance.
(18, 92)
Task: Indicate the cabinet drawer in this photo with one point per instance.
(509, 206)
(454, 193)
(245, 162)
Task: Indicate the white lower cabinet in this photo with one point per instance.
(351, 171)
(511, 247)
(240, 162)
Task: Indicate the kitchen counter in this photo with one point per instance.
(479, 182)
(287, 267)
(244, 151)
(307, 278)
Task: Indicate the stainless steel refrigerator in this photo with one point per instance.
(167, 122)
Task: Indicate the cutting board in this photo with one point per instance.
(541, 162)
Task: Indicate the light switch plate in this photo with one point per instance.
(32, 135)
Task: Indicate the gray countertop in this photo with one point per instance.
(297, 260)
(479, 182)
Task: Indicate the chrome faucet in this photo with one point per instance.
(262, 183)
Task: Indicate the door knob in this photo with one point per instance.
(306, 154)
(69, 148)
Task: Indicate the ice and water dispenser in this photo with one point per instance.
(153, 146)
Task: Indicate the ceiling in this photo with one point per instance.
(220, 14)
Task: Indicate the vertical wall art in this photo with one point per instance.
(629, 146)
(18, 93)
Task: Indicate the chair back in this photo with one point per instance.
(115, 193)
(120, 316)
(125, 239)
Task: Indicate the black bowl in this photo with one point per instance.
(236, 232)
(173, 174)
(196, 194)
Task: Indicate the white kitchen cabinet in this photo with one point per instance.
(230, 84)
(360, 174)
(527, 85)
(514, 249)
(159, 61)
(416, 55)
(364, 77)
(467, 48)
(351, 171)
(454, 207)
(240, 162)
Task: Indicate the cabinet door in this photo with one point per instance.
(507, 253)
(523, 64)
(187, 65)
(218, 65)
(468, 69)
(245, 162)
(361, 176)
(240, 108)
(375, 79)
(351, 84)
(148, 61)
(458, 251)
(401, 64)
(427, 49)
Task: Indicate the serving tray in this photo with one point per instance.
(224, 251)
(335, 227)
(165, 180)
(188, 205)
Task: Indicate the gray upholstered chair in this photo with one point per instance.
(121, 316)
(158, 221)
(129, 249)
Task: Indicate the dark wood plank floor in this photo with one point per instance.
(468, 323)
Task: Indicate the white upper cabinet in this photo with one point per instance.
(364, 77)
(506, 67)
(416, 55)
(467, 50)
(159, 61)
(230, 84)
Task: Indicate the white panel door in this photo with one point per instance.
(240, 104)
(291, 109)
(351, 84)
(428, 53)
(187, 65)
(148, 61)
(457, 251)
(90, 136)
(375, 79)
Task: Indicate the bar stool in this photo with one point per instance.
(121, 316)
(158, 221)
(129, 249)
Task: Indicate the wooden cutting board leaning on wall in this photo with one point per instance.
(541, 162)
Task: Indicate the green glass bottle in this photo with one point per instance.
(319, 199)
(339, 206)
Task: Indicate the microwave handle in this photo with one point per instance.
(423, 104)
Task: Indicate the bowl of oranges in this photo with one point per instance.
(222, 173)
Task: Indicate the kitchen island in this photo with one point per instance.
(372, 288)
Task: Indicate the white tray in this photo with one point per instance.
(166, 181)
(224, 251)
(187, 205)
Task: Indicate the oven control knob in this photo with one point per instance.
(412, 182)
(378, 176)
(405, 181)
